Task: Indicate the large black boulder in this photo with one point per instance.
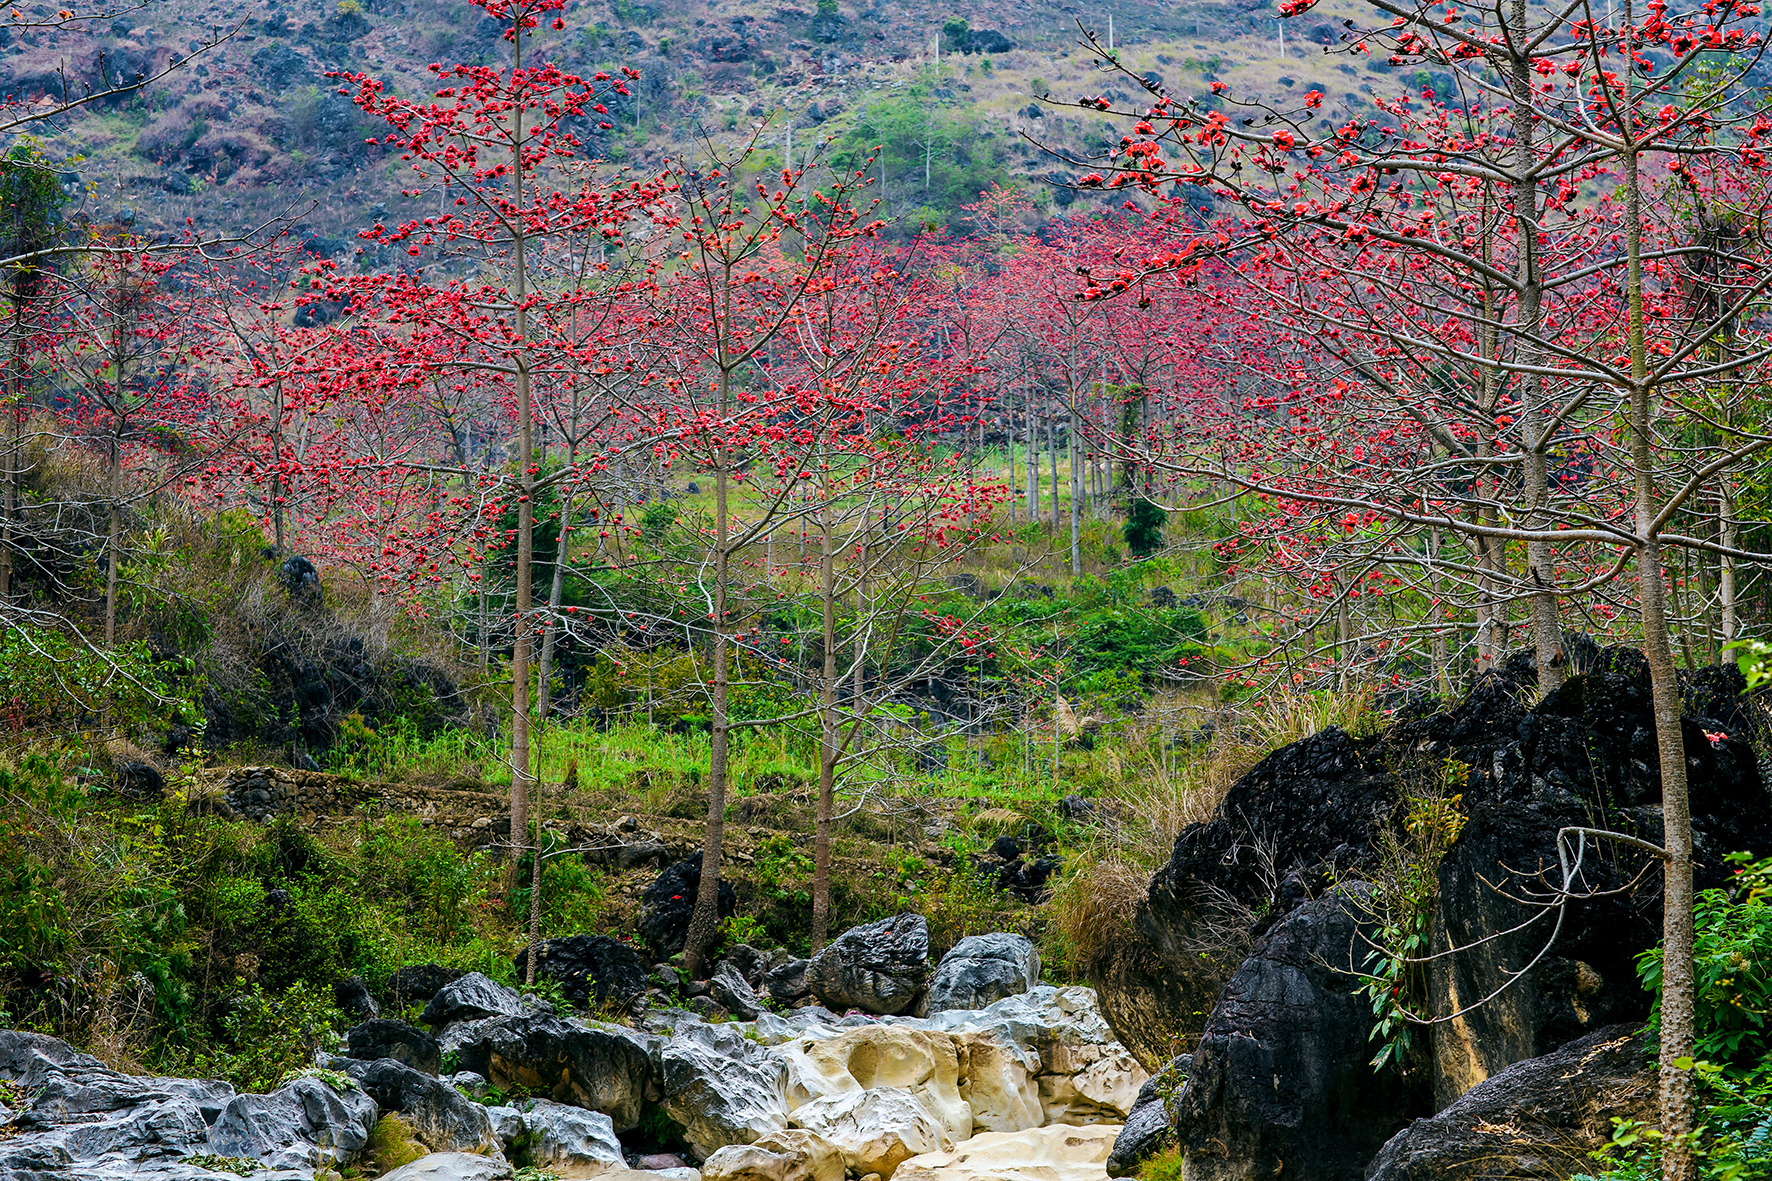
(875, 968)
(1280, 1083)
(443, 1118)
(669, 901)
(469, 998)
(591, 970)
(384, 1037)
(1539, 1118)
(600, 1067)
(419, 982)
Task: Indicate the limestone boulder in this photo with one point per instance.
(606, 1068)
(921, 1062)
(469, 997)
(998, 1081)
(1037, 1154)
(564, 1140)
(721, 1086)
(876, 968)
(453, 1166)
(982, 969)
(442, 1118)
(385, 1037)
(1538, 1118)
(305, 1124)
(876, 1130)
(791, 1155)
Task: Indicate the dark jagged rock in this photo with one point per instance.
(982, 969)
(352, 996)
(1149, 1129)
(468, 998)
(592, 970)
(298, 1126)
(140, 781)
(384, 1037)
(877, 968)
(601, 1067)
(747, 961)
(441, 1116)
(419, 982)
(787, 982)
(1312, 813)
(1280, 1080)
(733, 993)
(1539, 1118)
(988, 41)
(669, 902)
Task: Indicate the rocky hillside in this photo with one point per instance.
(254, 129)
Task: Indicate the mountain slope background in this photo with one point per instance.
(255, 129)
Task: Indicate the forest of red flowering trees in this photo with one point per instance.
(1469, 371)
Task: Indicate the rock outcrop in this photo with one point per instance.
(981, 969)
(1535, 1119)
(876, 968)
(1281, 1077)
(299, 1126)
(1038, 1154)
(592, 970)
(792, 1155)
(606, 1068)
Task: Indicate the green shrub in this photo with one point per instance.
(264, 1037)
(1732, 949)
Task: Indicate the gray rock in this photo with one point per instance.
(734, 993)
(605, 1068)
(787, 982)
(385, 1037)
(353, 997)
(1538, 1118)
(85, 1120)
(469, 1083)
(877, 968)
(559, 1137)
(452, 1166)
(470, 997)
(983, 969)
(303, 1125)
(722, 1087)
(441, 1117)
(747, 961)
(1148, 1129)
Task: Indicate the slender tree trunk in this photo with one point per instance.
(827, 762)
(1052, 457)
(1033, 461)
(534, 894)
(1678, 974)
(520, 648)
(1547, 635)
(1728, 535)
(1076, 455)
(704, 921)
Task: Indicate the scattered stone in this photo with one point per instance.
(385, 1037)
(353, 997)
(592, 970)
(1148, 1129)
(787, 982)
(877, 968)
(733, 993)
(469, 997)
(982, 969)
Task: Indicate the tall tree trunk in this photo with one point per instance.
(704, 921)
(1678, 974)
(520, 650)
(1076, 457)
(827, 716)
(1033, 460)
(1052, 457)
